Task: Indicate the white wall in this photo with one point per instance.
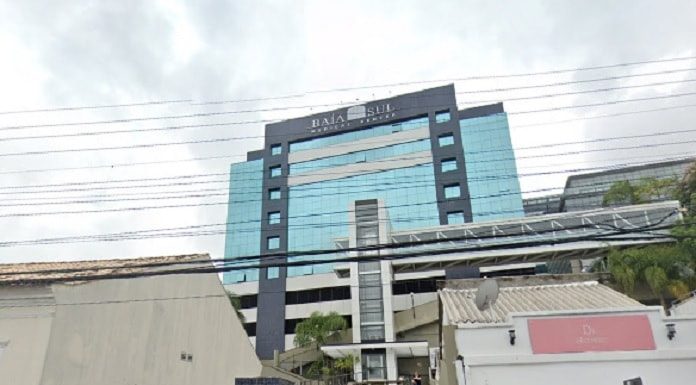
(688, 306)
(604, 372)
(490, 359)
(403, 301)
(315, 281)
(140, 342)
(25, 331)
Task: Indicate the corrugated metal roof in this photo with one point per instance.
(459, 306)
(45, 272)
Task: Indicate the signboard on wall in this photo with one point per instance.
(590, 334)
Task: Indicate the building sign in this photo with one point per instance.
(352, 116)
(590, 334)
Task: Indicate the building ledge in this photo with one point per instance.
(400, 348)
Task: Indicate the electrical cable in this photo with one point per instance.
(305, 93)
(404, 245)
(274, 109)
(299, 165)
(400, 183)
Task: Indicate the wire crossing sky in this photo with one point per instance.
(163, 96)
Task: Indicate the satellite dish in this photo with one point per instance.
(486, 294)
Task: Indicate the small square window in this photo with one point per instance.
(452, 191)
(275, 171)
(274, 193)
(274, 218)
(449, 164)
(273, 272)
(273, 243)
(455, 218)
(442, 116)
(446, 140)
(276, 149)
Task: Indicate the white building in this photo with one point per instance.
(66, 328)
(506, 247)
(684, 306)
(571, 333)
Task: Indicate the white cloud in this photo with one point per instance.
(89, 53)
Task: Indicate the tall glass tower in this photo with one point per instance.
(430, 164)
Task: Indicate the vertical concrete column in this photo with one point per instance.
(392, 370)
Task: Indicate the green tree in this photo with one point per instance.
(650, 189)
(664, 269)
(318, 328)
(315, 331)
(686, 190)
(236, 303)
(644, 191)
(621, 192)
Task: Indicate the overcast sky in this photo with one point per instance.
(86, 53)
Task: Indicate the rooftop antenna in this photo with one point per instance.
(487, 294)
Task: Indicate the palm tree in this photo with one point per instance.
(662, 268)
(318, 328)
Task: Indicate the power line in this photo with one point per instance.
(606, 89)
(425, 161)
(304, 226)
(228, 139)
(181, 127)
(206, 158)
(571, 82)
(404, 245)
(521, 74)
(618, 101)
(96, 106)
(400, 183)
(341, 89)
(111, 132)
(605, 116)
(273, 109)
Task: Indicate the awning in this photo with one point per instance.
(401, 348)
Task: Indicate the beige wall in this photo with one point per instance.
(140, 342)
(25, 330)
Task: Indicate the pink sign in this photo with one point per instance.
(587, 334)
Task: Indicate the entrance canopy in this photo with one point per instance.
(403, 349)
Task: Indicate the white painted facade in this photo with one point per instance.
(685, 306)
(488, 358)
(124, 331)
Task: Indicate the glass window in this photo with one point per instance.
(361, 156)
(371, 292)
(446, 140)
(274, 218)
(365, 133)
(491, 170)
(276, 149)
(455, 218)
(314, 222)
(449, 164)
(452, 191)
(372, 333)
(273, 243)
(273, 272)
(274, 193)
(368, 266)
(275, 171)
(243, 235)
(372, 317)
(442, 116)
(370, 280)
(374, 366)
